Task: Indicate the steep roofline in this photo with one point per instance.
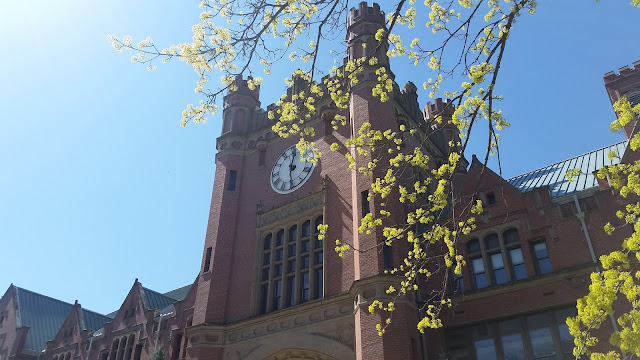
(569, 159)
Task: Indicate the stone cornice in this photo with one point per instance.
(217, 335)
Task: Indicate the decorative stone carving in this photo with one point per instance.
(292, 209)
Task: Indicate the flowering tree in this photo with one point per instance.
(466, 38)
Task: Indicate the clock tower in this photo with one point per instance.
(269, 287)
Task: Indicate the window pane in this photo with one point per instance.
(318, 222)
(305, 228)
(541, 250)
(267, 242)
(319, 257)
(458, 284)
(561, 319)
(516, 256)
(304, 262)
(291, 290)
(485, 349)
(478, 265)
(512, 347)
(473, 246)
(491, 242)
(291, 266)
(279, 254)
(277, 294)
(277, 270)
(293, 233)
(541, 343)
(540, 335)
(479, 275)
(545, 266)
(292, 250)
(511, 237)
(265, 274)
(304, 287)
(263, 300)
(499, 273)
(520, 272)
(500, 276)
(496, 261)
(517, 261)
(319, 284)
(280, 238)
(511, 338)
(304, 246)
(266, 259)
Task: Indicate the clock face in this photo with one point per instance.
(290, 172)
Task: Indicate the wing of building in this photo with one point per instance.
(270, 288)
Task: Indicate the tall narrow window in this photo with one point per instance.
(365, 202)
(457, 283)
(304, 287)
(517, 261)
(492, 246)
(231, 186)
(207, 260)
(387, 260)
(479, 275)
(543, 263)
(277, 294)
(292, 266)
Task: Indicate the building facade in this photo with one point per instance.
(270, 288)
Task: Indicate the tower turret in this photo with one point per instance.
(239, 105)
(626, 83)
(362, 25)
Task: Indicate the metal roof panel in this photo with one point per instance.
(555, 177)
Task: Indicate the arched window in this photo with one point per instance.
(496, 260)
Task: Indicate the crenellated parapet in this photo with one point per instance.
(624, 83)
(241, 87)
(362, 25)
(439, 108)
(365, 13)
(622, 73)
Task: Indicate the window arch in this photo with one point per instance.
(496, 259)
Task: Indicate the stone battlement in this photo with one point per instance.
(242, 87)
(439, 107)
(622, 72)
(366, 13)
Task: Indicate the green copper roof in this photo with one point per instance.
(178, 294)
(45, 315)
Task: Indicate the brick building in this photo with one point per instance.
(268, 288)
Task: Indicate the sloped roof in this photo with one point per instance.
(45, 315)
(178, 294)
(156, 300)
(555, 177)
(93, 320)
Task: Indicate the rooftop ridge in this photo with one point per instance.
(566, 160)
(57, 300)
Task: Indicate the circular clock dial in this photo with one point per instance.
(290, 171)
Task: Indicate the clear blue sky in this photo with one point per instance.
(99, 184)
